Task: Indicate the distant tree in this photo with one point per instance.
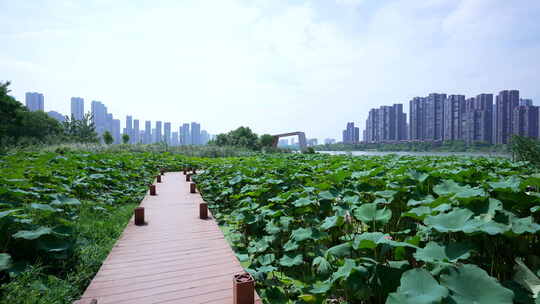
(107, 138)
(17, 124)
(80, 130)
(125, 138)
(241, 137)
(266, 140)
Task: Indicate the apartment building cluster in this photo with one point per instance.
(442, 117)
(186, 134)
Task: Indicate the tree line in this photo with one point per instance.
(19, 126)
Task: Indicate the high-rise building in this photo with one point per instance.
(158, 137)
(116, 131)
(195, 133)
(351, 135)
(136, 132)
(77, 108)
(386, 124)
(129, 127)
(417, 118)
(507, 101)
(434, 118)
(372, 126)
(35, 101)
(174, 139)
(525, 102)
(57, 116)
(147, 132)
(205, 137)
(525, 121)
(453, 113)
(99, 116)
(185, 138)
(400, 130)
(329, 141)
(167, 132)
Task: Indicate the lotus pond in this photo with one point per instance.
(338, 229)
(60, 214)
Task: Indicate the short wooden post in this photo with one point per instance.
(192, 188)
(185, 171)
(162, 171)
(203, 211)
(158, 178)
(139, 216)
(152, 189)
(243, 289)
(194, 171)
(188, 177)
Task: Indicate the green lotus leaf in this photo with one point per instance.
(235, 180)
(418, 176)
(271, 228)
(344, 271)
(510, 184)
(322, 265)
(423, 201)
(526, 278)
(266, 269)
(418, 212)
(266, 259)
(417, 287)
(389, 194)
(242, 257)
(259, 246)
(303, 201)
(340, 250)
(371, 240)
(32, 234)
(322, 287)
(285, 222)
(43, 207)
(522, 225)
(368, 213)
(302, 234)
(327, 195)
(351, 199)
(470, 284)
(359, 174)
(449, 187)
(64, 200)
(434, 252)
(289, 260)
(291, 245)
(332, 221)
(5, 261)
(54, 245)
(452, 221)
(8, 212)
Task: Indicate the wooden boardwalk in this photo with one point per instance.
(175, 258)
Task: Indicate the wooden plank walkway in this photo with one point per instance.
(175, 258)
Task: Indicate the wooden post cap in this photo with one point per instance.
(139, 216)
(192, 188)
(243, 289)
(203, 211)
(152, 189)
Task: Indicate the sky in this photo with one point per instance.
(275, 66)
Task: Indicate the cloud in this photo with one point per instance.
(273, 65)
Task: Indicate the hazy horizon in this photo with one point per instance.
(275, 66)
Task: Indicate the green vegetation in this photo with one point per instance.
(107, 138)
(328, 229)
(449, 146)
(61, 212)
(243, 137)
(125, 138)
(20, 127)
(526, 149)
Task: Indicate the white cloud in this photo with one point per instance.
(273, 65)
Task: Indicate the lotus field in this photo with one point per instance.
(329, 229)
(61, 212)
